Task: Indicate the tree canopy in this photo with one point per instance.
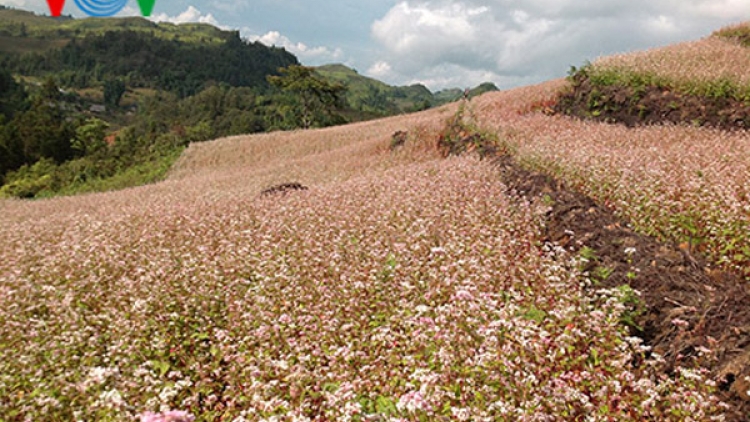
(315, 101)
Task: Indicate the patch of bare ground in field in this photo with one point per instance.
(650, 105)
(688, 308)
(702, 83)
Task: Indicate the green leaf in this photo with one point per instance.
(201, 336)
(330, 387)
(534, 314)
(385, 406)
(161, 366)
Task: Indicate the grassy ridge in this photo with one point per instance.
(44, 33)
(719, 88)
(739, 32)
(714, 67)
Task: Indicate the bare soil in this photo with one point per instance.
(687, 306)
(282, 188)
(650, 105)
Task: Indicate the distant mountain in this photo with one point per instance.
(49, 32)
(183, 59)
(453, 94)
(370, 95)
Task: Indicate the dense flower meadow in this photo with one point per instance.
(710, 61)
(415, 292)
(680, 183)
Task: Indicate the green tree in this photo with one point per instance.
(89, 137)
(44, 130)
(28, 181)
(12, 95)
(315, 101)
(11, 157)
(114, 89)
(375, 100)
(50, 92)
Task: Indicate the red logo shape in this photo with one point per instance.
(55, 7)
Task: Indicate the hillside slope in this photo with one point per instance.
(399, 284)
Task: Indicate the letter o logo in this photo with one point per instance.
(101, 8)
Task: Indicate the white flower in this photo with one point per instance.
(421, 309)
(461, 413)
(111, 399)
(464, 295)
(412, 401)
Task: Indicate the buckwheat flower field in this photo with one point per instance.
(399, 287)
(680, 183)
(704, 61)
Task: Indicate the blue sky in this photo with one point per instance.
(451, 43)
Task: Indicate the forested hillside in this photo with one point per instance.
(82, 53)
(143, 60)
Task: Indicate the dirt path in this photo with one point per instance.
(688, 309)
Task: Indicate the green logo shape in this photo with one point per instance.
(146, 6)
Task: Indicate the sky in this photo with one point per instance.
(450, 43)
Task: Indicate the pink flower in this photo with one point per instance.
(464, 295)
(413, 401)
(680, 322)
(169, 416)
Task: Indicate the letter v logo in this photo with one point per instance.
(55, 7)
(146, 6)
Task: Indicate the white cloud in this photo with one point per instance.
(438, 42)
(307, 54)
(192, 14)
(16, 3)
(431, 31)
(380, 70)
(231, 6)
(661, 25)
(717, 9)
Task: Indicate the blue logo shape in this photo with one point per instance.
(101, 8)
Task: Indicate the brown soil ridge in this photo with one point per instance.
(650, 105)
(282, 188)
(687, 306)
